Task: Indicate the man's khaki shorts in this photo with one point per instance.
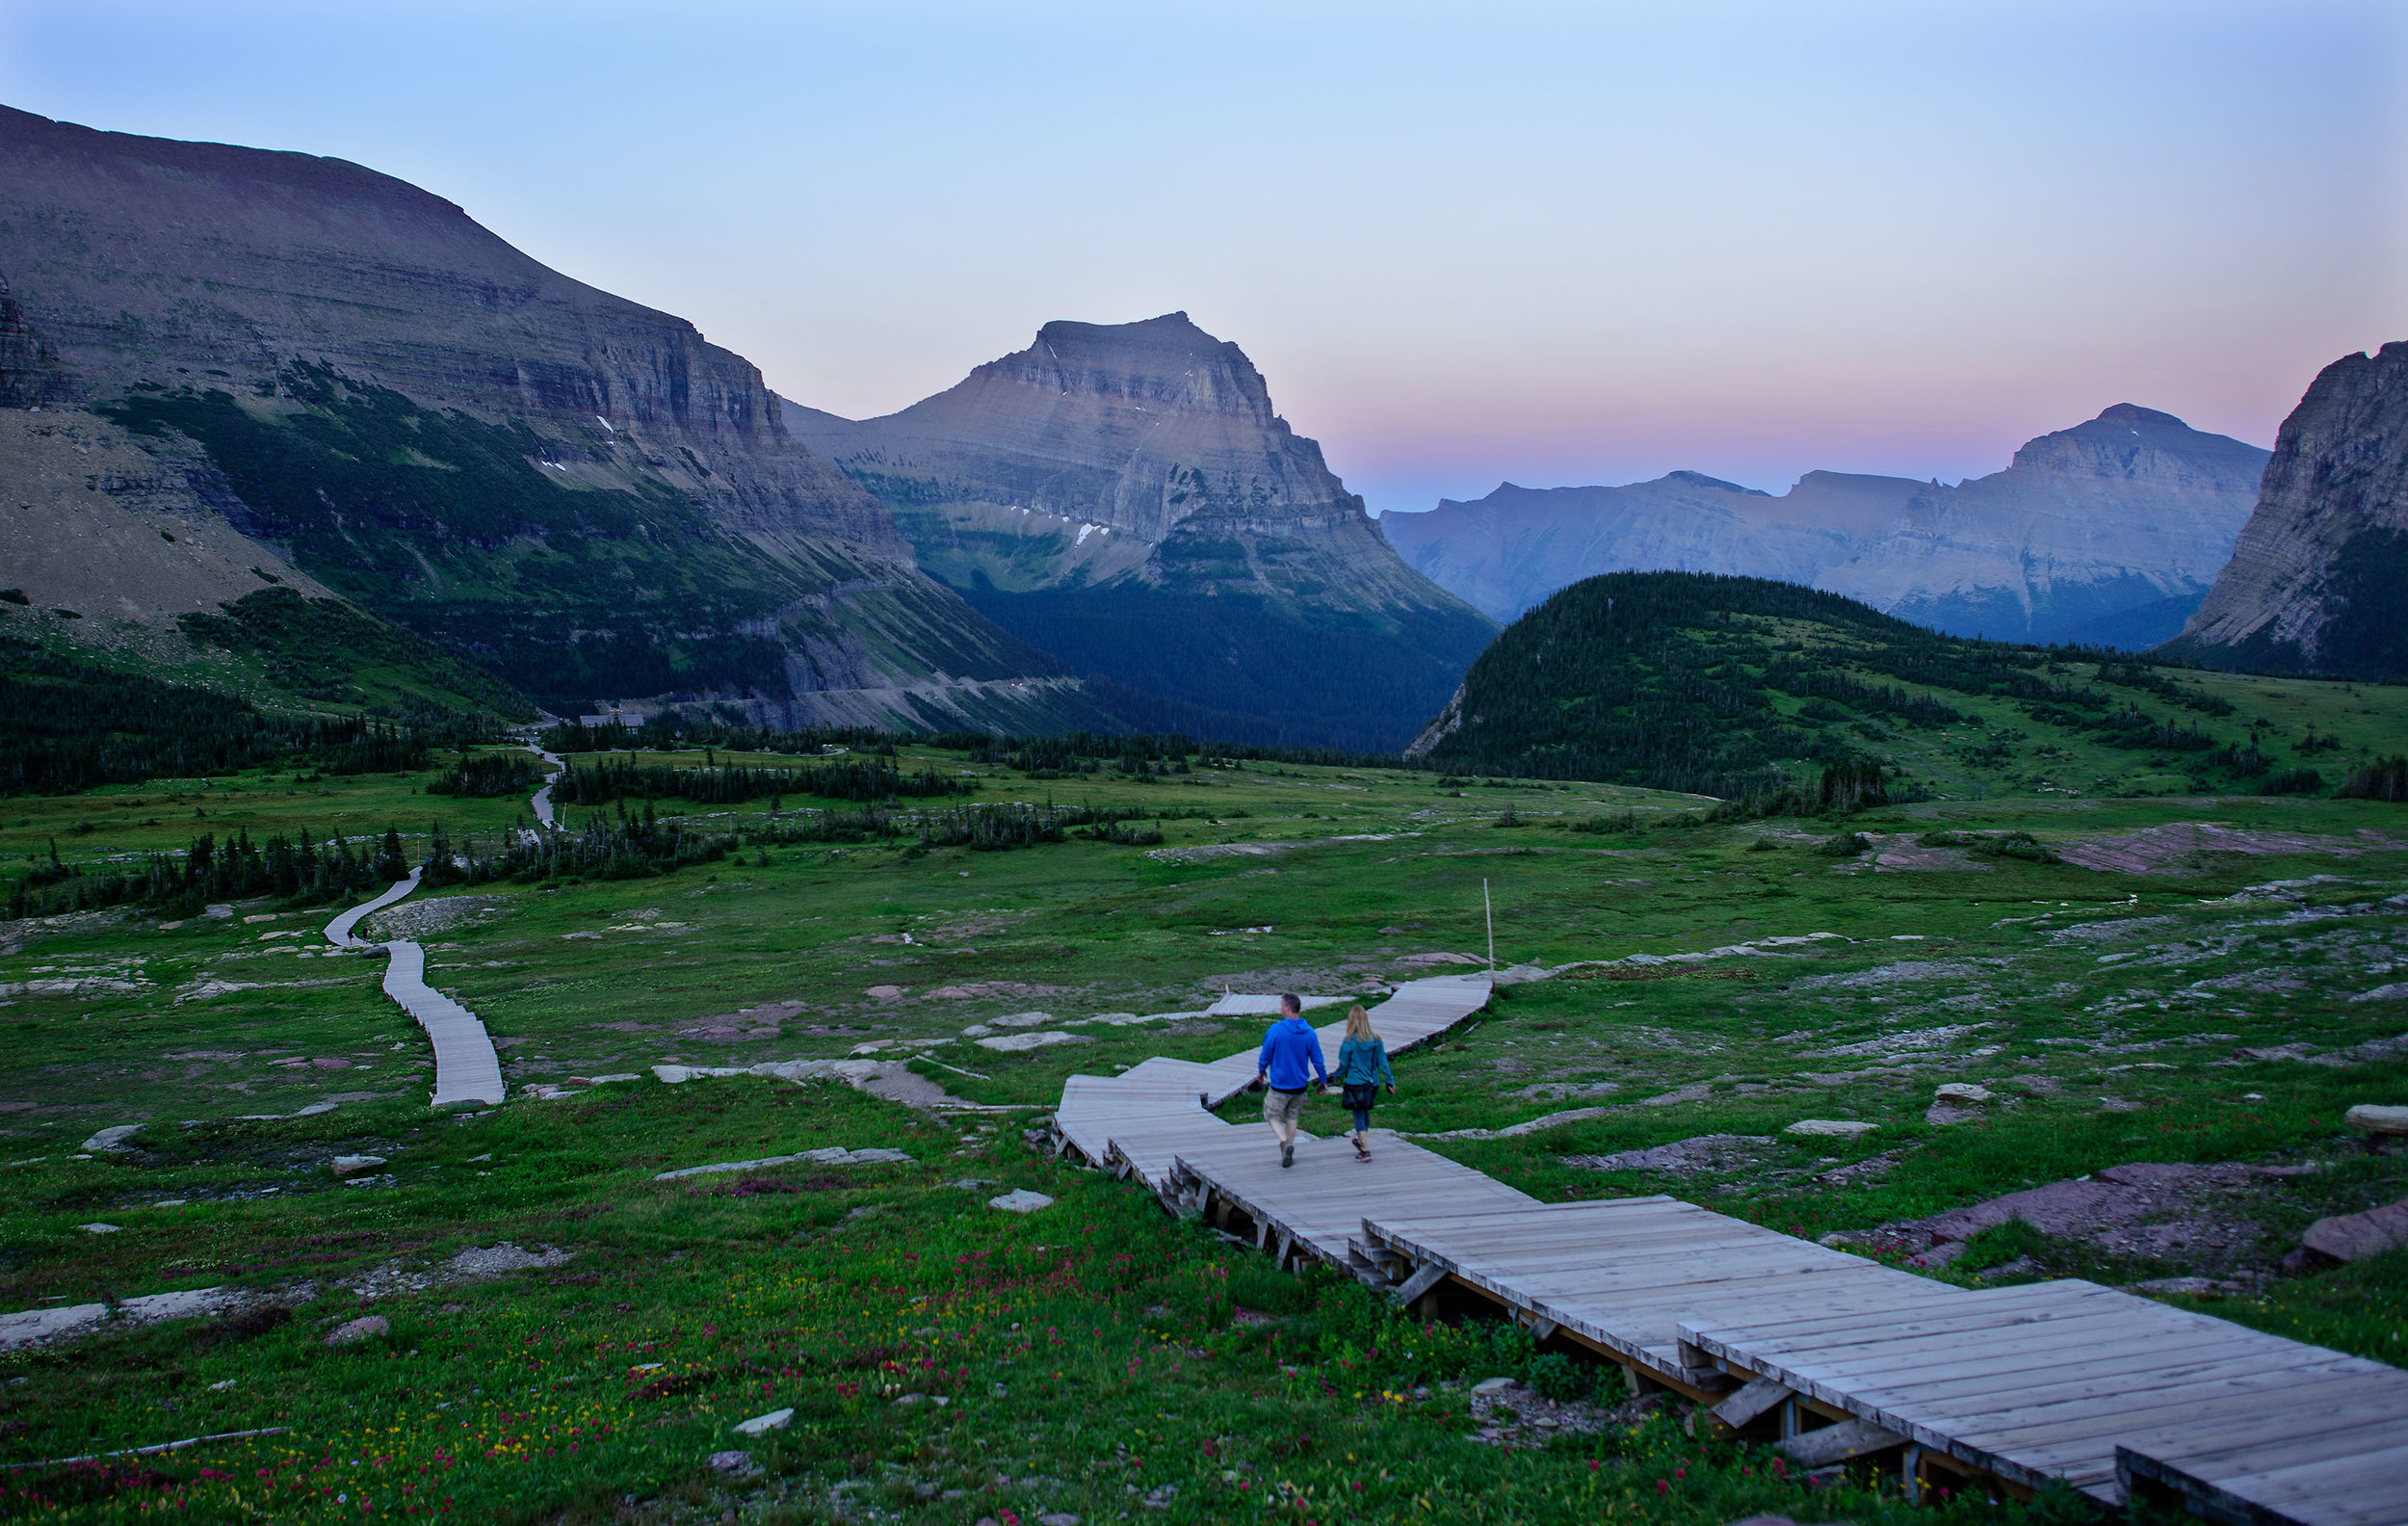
(1282, 1107)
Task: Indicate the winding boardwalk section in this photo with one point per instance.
(540, 802)
(1836, 1359)
(466, 1069)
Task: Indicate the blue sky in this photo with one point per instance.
(1549, 243)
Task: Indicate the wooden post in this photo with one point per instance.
(1489, 910)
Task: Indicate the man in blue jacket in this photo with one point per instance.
(1289, 1046)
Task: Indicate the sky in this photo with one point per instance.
(1550, 243)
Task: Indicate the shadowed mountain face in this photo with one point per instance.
(2108, 532)
(2319, 578)
(581, 494)
(1125, 496)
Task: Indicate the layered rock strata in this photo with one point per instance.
(580, 492)
(2319, 579)
(1126, 496)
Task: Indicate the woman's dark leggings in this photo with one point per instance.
(1362, 1119)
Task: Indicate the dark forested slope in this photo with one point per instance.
(1733, 686)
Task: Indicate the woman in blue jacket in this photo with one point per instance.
(1362, 1069)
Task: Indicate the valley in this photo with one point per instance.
(1895, 990)
(2191, 980)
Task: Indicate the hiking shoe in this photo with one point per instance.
(1287, 1156)
(1362, 1151)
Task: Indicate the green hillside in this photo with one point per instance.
(1740, 687)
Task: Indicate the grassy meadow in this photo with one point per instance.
(946, 1361)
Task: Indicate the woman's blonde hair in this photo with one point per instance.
(1359, 1025)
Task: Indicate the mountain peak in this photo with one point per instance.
(2133, 416)
(2130, 441)
(1696, 479)
(1165, 362)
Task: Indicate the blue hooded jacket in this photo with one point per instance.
(1288, 1046)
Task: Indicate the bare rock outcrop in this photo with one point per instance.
(1126, 496)
(2316, 579)
(446, 431)
(2189, 1214)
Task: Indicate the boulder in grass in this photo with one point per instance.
(353, 1165)
(2372, 1120)
(2353, 1237)
(1962, 1091)
(112, 1137)
(1020, 1201)
(373, 1327)
(764, 1424)
(1043, 1038)
(1830, 1128)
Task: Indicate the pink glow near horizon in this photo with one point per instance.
(1546, 243)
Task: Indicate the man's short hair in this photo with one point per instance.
(1289, 1001)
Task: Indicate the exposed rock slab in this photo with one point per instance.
(1707, 1152)
(2354, 1237)
(2174, 848)
(2155, 1210)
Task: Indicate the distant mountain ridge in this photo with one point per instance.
(1125, 496)
(580, 493)
(2319, 579)
(2108, 532)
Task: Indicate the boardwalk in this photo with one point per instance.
(1836, 1360)
(466, 1069)
(540, 802)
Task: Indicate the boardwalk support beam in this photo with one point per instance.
(1419, 1283)
(1751, 1403)
(1838, 1444)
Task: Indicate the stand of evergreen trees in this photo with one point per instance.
(616, 845)
(674, 730)
(1067, 752)
(863, 779)
(489, 775)
(71, 725)
(2385, 778)
(300, 868)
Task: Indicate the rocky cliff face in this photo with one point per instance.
(583, 493)
(2319, 579)
(30, 373)
(1126, 496)
(2108, 532)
